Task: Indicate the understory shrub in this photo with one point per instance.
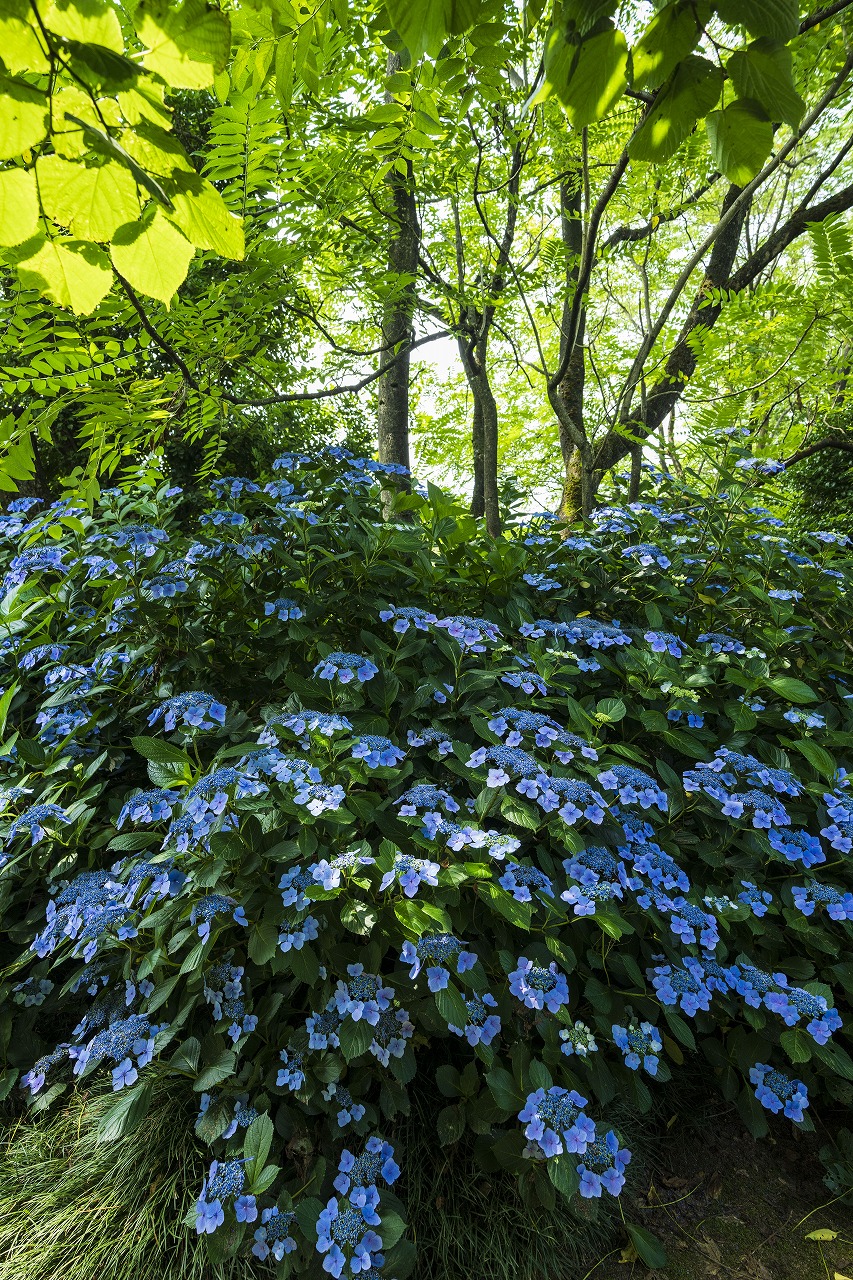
(302, 803)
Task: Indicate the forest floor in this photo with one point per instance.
(730, 1207)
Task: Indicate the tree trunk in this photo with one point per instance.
(567, 400)
(484, 435)
(478, 501)
(392, 416)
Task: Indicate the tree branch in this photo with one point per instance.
(288, 397)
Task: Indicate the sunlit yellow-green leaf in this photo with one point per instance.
(23, 117)
(589, 79)
(205, 219)
(764, 71)
(669, 37)
(20, 40)
(186, 46)
(741, 139)
(689, 94)
(70, 273)
(145, 102)
(19, 206)
(776, 18)
(92, 201)
(152, 255)
(89, 21)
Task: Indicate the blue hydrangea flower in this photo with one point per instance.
(598, 635)
(437, 950)
(211, 905)
(808, 719)
(273, 1235)
(541, 582)
(340, 1229)
(329, 874)
(634, 786)
(196, 710)
(837, 903)
(640, 1045)
(349, 1112)
(471, 634)
(720, 642)
(679, 987)
(33, 820)
(519, 880)
(303, 723)
(797, 846)
(778, 1092)
(665, 642)
(572, 800)
(428, 737)
(140, 539)
(285, 609)
(578, 1039)
(554, 1119)
(840, 836)
(291, 1074)
(377, 751)
(538, 987)
(603, 1167)
(411, 873)
(514, 724)
(404, 618)
(646, 555)
(481, 1027)
(345, 667)
(362, 996)
(756, 899)
(390, 1034)
(376, 1161)
(293, 937)
(323, 1028)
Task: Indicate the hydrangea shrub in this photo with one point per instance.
(299, 805)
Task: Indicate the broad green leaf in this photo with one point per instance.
(463, 14)
(284, 71)
(451, 1006)
(562, 1170)
(23, 49)
(450, 1124)
(106, 145)
(818, 757)
(589, 79)
(690, 94)
(92, 201)
(69, 272)
(776, 18)
(153, 256)
(160, 751)
(668, 38)
(89, 21)
(741, 138)
(19, 206)
(792, 689)
(23, 117)
(216, 1071)
(355, 1038)
(584, 14)
(822, 1233)
(213, 1122)
(423, 25)
(256, 1145)
(763, 71)
(797, 1044)
(188, 46)
(131, 1107)
(649, 1248)
(205, 219)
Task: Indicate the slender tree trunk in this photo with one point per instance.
(478, 501)
(484, 435)
(392, 417)
(567, 399)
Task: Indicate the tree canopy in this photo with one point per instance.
(211, 215)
